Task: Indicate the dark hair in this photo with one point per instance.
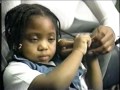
(16, 19)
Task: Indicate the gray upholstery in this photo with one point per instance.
(4, 53)
(112, 74)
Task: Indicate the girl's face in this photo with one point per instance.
(39, 39)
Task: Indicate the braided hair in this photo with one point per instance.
(17, 18)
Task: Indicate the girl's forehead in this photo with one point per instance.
(40, 24)
(42, 17)
(40, 21)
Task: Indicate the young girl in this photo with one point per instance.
(32, 33)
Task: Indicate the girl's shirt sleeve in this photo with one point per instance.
(18, 76)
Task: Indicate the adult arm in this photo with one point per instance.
(106, 13)
(105, 34)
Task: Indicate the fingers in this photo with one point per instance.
(86, 38)
(82, 42)
(107, 44)
(107, 47)
(107, 37)
(104, 39)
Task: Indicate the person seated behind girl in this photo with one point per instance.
(32, 33)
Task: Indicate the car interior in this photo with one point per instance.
(112, 75)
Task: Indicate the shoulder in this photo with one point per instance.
(18, 74)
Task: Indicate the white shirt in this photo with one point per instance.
(96, 11)
(18, 76)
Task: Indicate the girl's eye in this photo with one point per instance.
(51, 39)
(33, 39)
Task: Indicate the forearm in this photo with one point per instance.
(61, 76)
(94, 75)
(68, 69)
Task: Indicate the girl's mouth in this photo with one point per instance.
(43, 58)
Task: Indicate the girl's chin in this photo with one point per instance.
(44, 60)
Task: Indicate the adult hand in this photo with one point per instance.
(103, 40)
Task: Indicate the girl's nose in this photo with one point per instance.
(43, 45)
